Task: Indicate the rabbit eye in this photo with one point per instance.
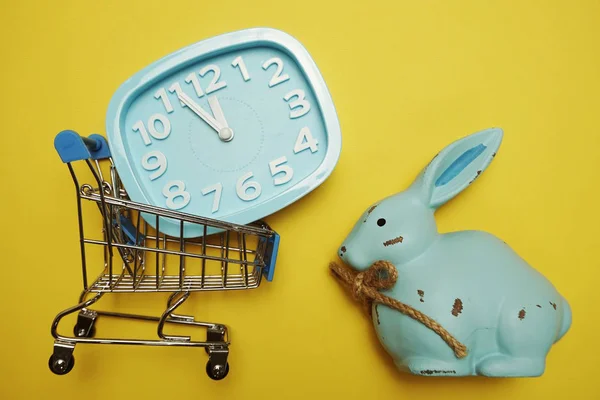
(381, 222)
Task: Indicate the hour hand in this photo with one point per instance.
(225, 133)
(217, 122)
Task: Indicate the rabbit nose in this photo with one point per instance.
(342, 251)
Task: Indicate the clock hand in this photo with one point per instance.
(199, 111)
(225, 133)
(218, 123)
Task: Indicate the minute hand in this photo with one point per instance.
(199, 111)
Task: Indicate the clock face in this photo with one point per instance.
(233, 128)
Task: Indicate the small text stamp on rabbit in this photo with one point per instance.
(455, 304)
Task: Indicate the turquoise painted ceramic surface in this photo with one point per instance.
(472, 283)
(266, 107)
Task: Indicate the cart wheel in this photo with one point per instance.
(216, 372)
(80, 332)
(59, 366)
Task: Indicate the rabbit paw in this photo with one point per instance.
(506, 366)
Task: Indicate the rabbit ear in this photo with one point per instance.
(458, 165)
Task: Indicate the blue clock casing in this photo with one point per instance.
(232, 128)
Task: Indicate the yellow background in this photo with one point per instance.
(407, 78)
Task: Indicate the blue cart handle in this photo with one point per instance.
(73, 147)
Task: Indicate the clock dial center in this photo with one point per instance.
(226, 134)
(235, 146)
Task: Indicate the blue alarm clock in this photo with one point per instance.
(232, 128)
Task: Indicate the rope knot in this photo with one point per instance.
(382, 275)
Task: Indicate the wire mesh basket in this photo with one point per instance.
(137, 257)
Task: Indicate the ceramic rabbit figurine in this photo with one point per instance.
(472, 283)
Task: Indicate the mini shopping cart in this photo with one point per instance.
(137, 258)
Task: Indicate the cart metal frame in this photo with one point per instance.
(226, 257)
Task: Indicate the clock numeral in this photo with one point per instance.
(139, 127)
(193, 79)
(176, 88)
(277, 77)
(243, 186)
(161, 94)
(179, 192)
(155, 161)
(214, 84)
(298, 107)
(304, 141)
(218, 189)
(239, 62)
(276, 166)
(155, 133)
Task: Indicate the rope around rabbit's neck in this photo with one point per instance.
(365, 287)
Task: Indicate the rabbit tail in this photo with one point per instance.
(566, 319)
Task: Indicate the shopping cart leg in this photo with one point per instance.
(172, 304)
(215, 333)
(217, 366)
(85, 323)
(62, 361)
